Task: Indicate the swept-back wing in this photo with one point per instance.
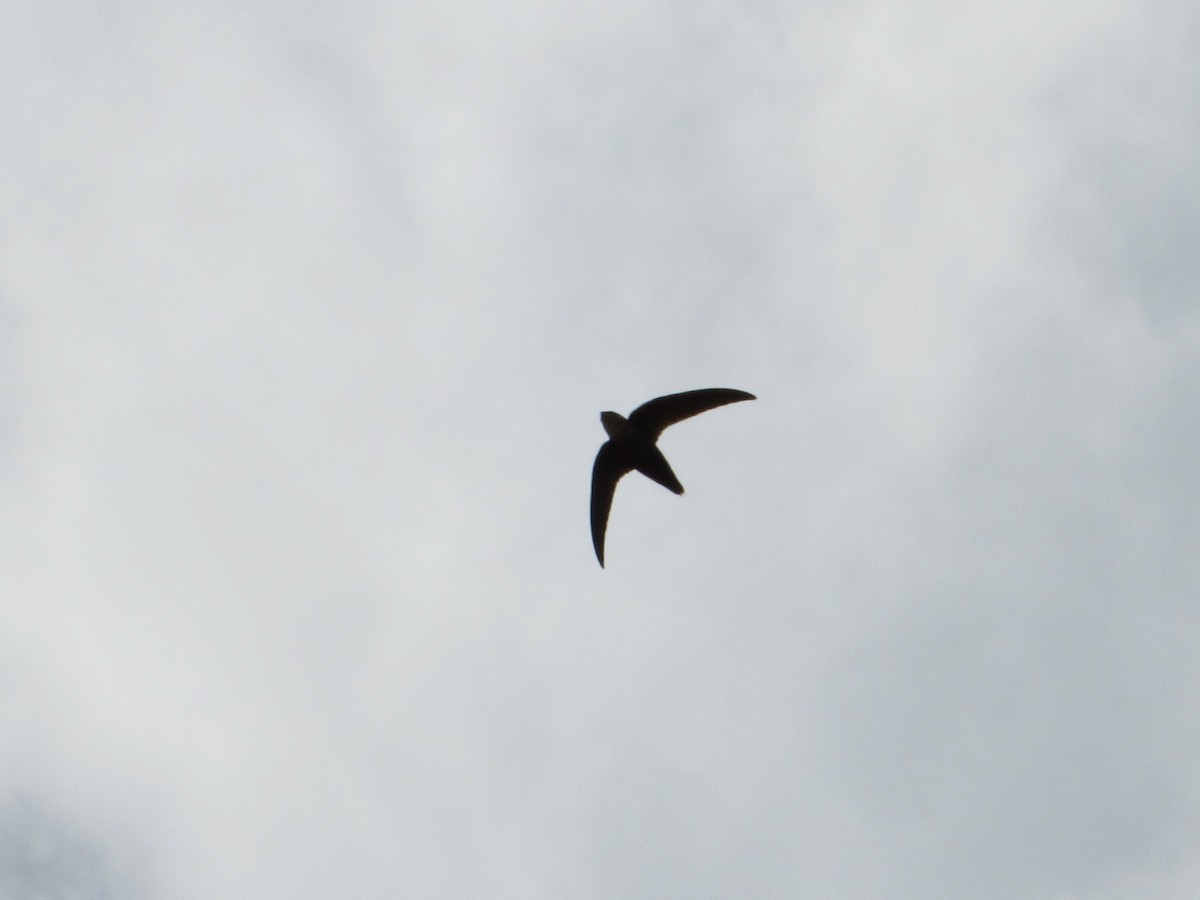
(610, 465)
(655, 415)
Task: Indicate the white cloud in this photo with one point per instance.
(305, 319)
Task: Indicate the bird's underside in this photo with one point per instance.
(632, 446)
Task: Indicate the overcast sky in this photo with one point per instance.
(307, 314)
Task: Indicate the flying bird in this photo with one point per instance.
(631, 445)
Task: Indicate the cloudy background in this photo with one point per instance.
(307, 312)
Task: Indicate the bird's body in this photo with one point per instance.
(636, 447)
(631, 445)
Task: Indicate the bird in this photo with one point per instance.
(632, 443)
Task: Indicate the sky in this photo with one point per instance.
(307, 315)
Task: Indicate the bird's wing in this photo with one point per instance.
(610, 465)
(653, 416)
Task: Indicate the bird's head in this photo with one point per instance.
(614, 423)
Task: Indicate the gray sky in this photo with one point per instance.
(307, 314)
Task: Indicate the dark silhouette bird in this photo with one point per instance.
(631, 445)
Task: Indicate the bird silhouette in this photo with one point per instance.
(631, 445)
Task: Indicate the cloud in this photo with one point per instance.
(305, 319)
